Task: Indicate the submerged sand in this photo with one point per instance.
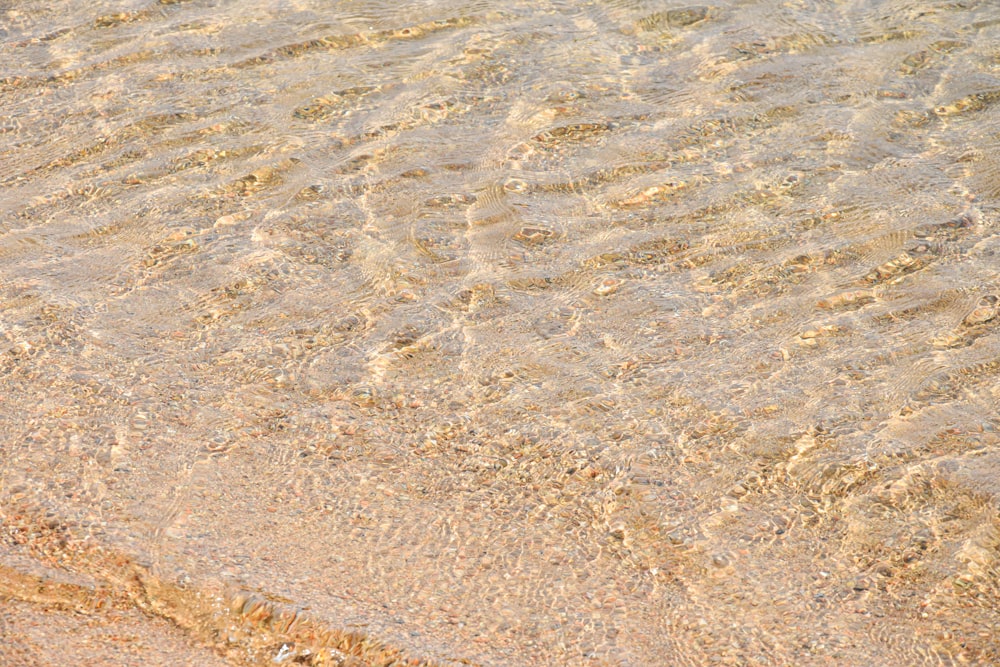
(527, 333)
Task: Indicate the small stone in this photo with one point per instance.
(985, 311)
(686, 16)
(533, 235)
(720, 560)
(608, 286)
(737, 491)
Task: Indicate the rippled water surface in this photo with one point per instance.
(607, 332)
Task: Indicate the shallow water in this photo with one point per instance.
(583, 333)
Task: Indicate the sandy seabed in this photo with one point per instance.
(524, 333)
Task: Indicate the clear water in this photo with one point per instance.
(521, 333)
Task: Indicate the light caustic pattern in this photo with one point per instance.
(523, 333)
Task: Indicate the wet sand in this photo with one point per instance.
(560, 333)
